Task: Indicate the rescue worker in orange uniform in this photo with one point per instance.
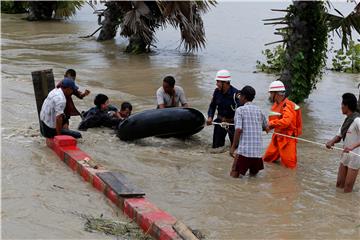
(282, 119)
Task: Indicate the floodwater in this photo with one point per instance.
(41, 198)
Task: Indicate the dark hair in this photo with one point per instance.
(100, 99)
(349, 100)
(170, 80)
(248, 92)
(71, 73)
(126, 105)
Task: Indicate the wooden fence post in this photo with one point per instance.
(43, 82)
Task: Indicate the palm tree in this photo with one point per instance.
(43, 10)
(307, 24)
(47, 10)
(139, 20)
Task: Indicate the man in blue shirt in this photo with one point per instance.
(225, 100)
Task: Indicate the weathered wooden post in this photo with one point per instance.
(43, 82)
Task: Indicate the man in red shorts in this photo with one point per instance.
(249, 124)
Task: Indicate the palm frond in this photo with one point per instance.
(66, 9)
(343, 25)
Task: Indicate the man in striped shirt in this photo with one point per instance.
(249, 124)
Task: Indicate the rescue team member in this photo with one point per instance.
(225, 101)
(70, 109)
(350, 134)
(170, 95)
(283, 119)
(249, 124)
(52, 111)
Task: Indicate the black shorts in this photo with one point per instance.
(49, 132)
(46, 131)
(242, 164)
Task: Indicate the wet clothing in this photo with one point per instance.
(95, 117)
(226, 105)
(51, 132)
(53, 106)
(251, 121)
(352, 137)
(283, 120)
(242, 164)
(347, 123)
(171, 101)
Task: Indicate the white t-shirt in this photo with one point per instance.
(352, 135)
(53, 105)
(164, 98)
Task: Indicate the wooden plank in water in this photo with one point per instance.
(120, 185)
(184, 232)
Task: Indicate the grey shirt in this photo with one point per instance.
(163, 98)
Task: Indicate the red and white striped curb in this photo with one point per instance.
(150, 218)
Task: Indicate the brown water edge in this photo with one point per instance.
(181, 177)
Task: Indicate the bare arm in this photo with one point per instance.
(235, 141)
(59, 124)
(332, 142)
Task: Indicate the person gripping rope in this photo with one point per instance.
(284, 119)
(225, 101)
(350, 134)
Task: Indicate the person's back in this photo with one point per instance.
(53, 105)
(249, 124)
(253, 122)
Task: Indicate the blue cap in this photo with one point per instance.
(69, 83)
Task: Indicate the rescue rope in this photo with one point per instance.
(226, 126)
(316, 143)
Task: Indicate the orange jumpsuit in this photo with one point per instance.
(283, 121)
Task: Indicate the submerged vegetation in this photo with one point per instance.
(125, 230)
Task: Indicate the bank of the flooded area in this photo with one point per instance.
(41, 197)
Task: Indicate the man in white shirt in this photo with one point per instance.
(170, 95)
(52, 111)
(350, 134)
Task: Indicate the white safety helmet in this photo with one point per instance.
(276, 86)
(223, 75)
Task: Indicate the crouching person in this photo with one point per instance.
(104, 114)
(249, 124)
(52, 117)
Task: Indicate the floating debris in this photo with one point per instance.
(127, 230)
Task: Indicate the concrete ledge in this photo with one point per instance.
(151, 219)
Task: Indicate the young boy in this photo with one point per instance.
(70, 109)
(249, 124)
(350, 134)
(125, 110)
